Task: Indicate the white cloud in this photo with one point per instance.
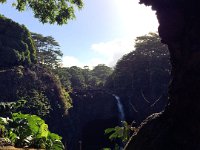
(94, 62)
(107, 53)
(68, 61)
(112, 51)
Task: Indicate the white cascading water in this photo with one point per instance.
(120, 108)
(121, 115)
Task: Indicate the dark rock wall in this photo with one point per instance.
(137, 107)
(178, 128)
(93, 111)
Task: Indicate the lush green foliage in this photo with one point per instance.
(78, 78)
(16, 45)
(122, 133)
(48, 51)
(7, 108)
(49, 11)
(100, 73)
(64, 77)
(38, 86)
(25, 130)
(37, 103)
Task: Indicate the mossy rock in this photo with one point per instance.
(16, 45)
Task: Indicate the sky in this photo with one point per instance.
(103, 31)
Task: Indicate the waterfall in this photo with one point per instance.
(120, 108)
(121, 117)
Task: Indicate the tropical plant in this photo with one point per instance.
(25, 130)
(37, 103)
(120, 134)
(10, 107)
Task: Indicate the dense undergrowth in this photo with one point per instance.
(30, 131)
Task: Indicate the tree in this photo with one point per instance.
(77, 79)
(50, 11)
(16, 45)
(64, 76)
(83, 78)
(100, 73)
(48, 50)
(87, 76)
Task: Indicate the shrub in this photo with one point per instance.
(25, 130)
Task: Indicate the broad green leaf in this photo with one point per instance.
(109, 130)
(43, 131)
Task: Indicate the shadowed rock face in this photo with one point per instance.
(93, 111)
(179, 126)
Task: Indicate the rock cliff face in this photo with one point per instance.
(137, 108)
(93, 111)
(178, 127)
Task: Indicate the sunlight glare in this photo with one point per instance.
(136, 19)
